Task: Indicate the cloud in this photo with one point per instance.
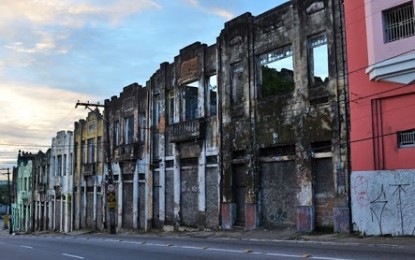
(69, 12)
(223, 13)
(227, 15)
(39, 26)
(33, 114)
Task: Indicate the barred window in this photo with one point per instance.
(406, 138)
(399, 22)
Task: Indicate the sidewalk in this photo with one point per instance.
(270, 235)
(275, 235)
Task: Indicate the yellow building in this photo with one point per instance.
(89, 187)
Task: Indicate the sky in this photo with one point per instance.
(56, 52)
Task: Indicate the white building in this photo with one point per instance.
(61, 183)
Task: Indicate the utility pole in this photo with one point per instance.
(10, 199)
(110, 192)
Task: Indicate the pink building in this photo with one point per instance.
(381, 65)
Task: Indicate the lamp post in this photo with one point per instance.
(10, 198)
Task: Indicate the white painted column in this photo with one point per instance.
(61, 215)
(201, 180)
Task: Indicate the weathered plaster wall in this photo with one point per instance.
(383, 202)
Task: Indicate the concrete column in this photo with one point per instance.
(162, 192)
(176, 180)
(84, 207)
(135, 196)
(95, 203)
(120, 200)
(54, 212)
(35, 215)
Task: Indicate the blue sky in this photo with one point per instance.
(55, 52)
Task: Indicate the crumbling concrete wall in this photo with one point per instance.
(185, 132)
(284, 115)
(128, 138)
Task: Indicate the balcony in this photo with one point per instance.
(89, 169)
(185, 131)
(128, 151)
(41, 187)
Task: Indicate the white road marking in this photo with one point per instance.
(234, 251)
(330, 258)
(225, 250)
(154, 244)
(191, 247)
(73, 256)
(28, 247)
(112, 240)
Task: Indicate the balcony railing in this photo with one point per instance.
(128, 151)
(41, 187)
(185, 131)
(89, 169)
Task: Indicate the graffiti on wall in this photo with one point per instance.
(382, 202)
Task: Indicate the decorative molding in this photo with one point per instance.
(400, 69)
(315, 7)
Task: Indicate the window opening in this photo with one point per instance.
(319, 61)
(117, 133)
(213, 94)
(276, 72)
(170, 107)
(129, 129)
(91, 150)
(143, 123)
(156, 110)
(237, 85)
(190, 93)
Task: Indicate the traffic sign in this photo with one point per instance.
(111, 187)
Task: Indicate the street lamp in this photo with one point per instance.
(10, 198)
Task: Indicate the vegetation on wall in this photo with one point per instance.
(275, 82)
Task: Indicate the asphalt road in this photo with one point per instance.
(103, 247)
